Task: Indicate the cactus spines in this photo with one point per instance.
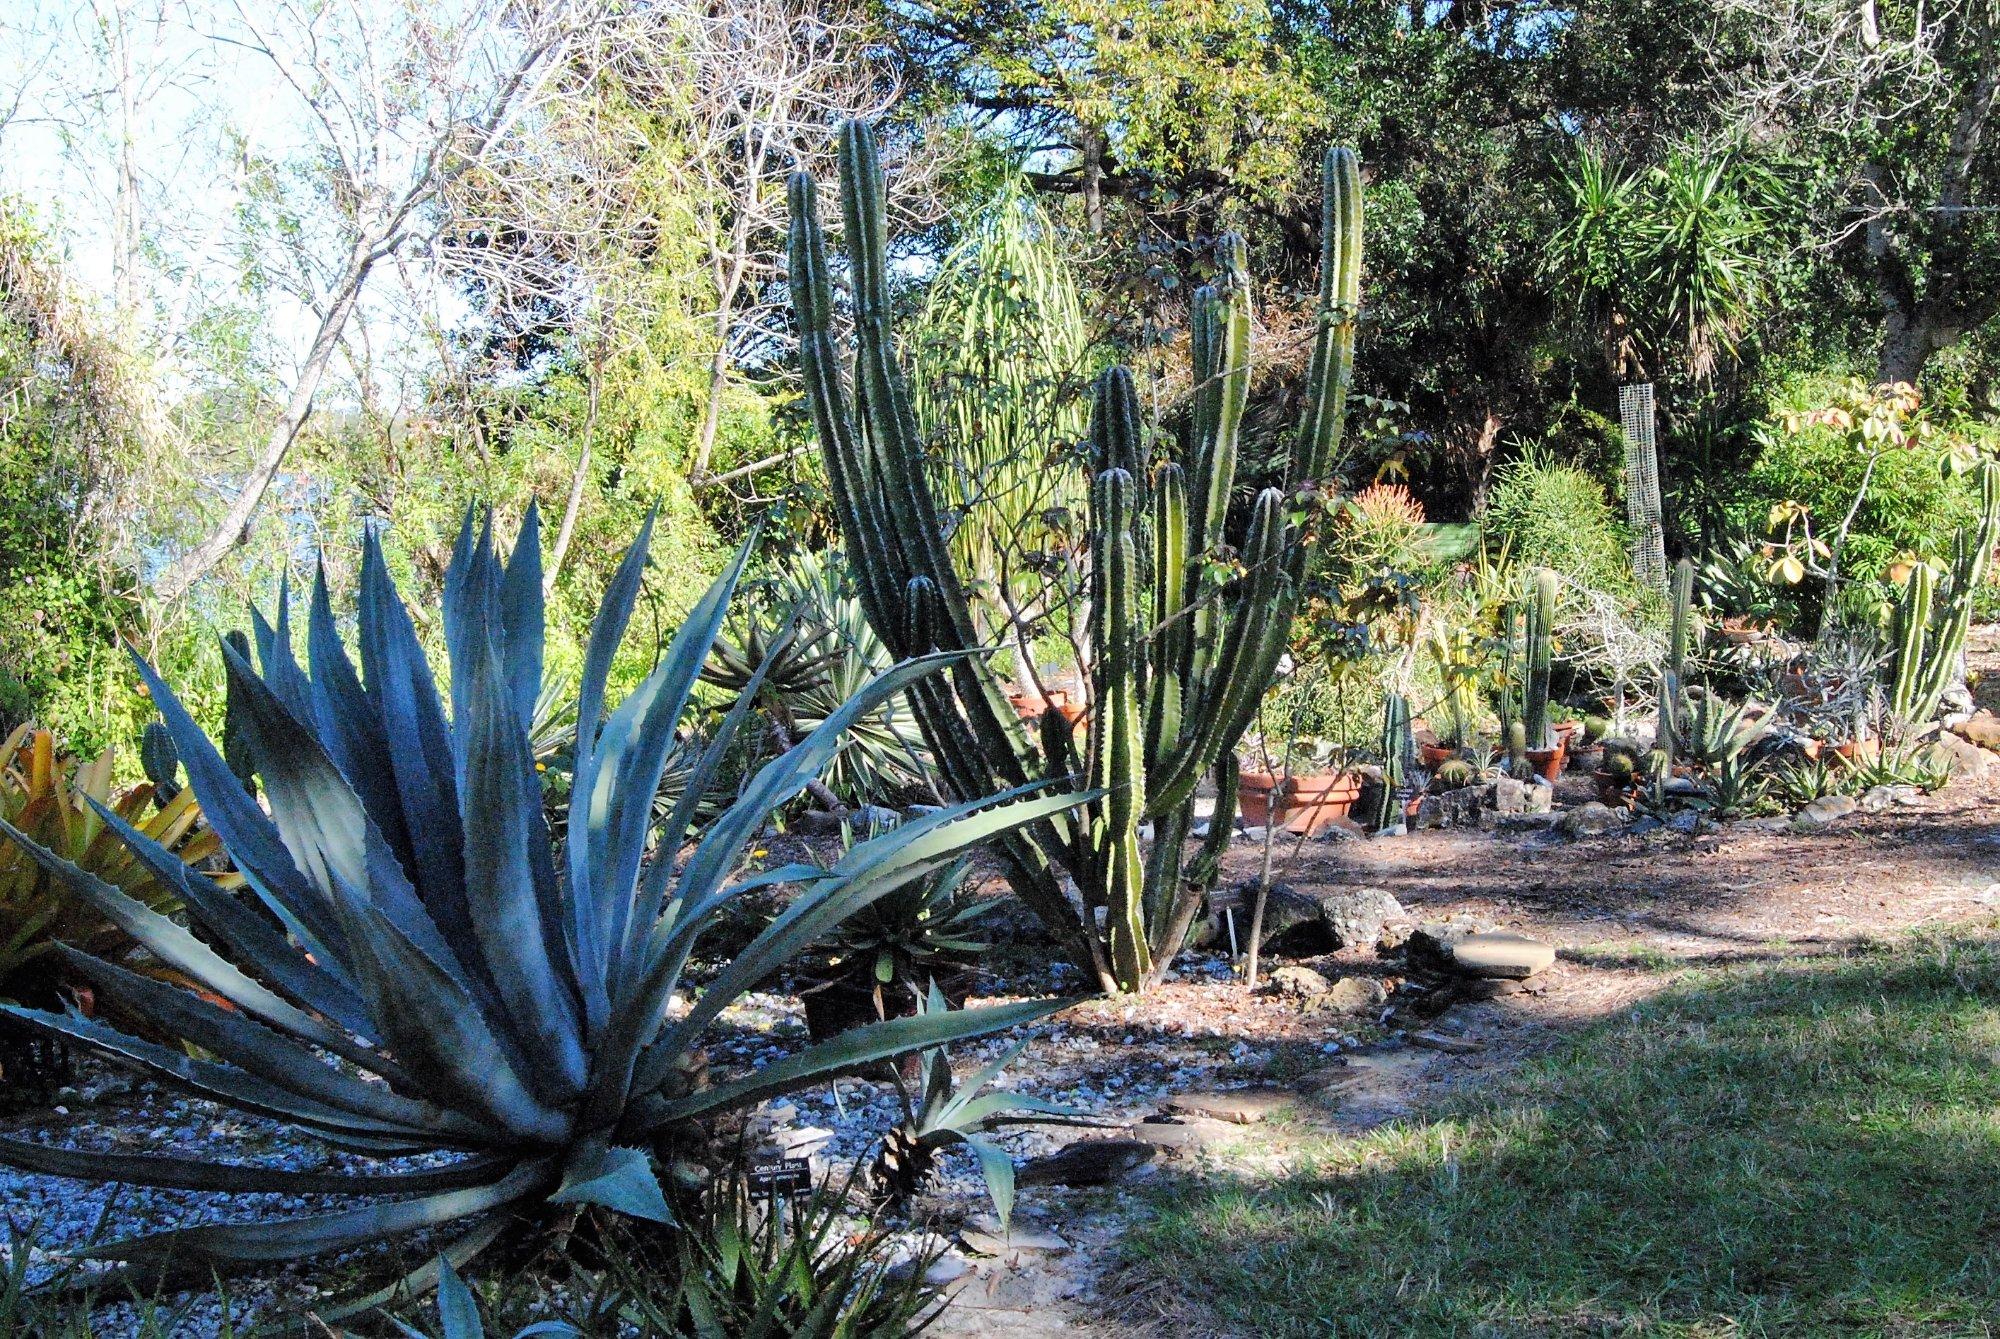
(1540, 636)
(1929, 632)
(1176, 665)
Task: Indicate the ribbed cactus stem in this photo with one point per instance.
(1540, 636)
(1396, 750)
(1178, 663)
(1117, 764)
(1910, 635)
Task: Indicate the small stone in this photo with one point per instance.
(1541, 796)
(1501, 953)
(985, 1235)
(1539, 821)
(1430, 944)
(1298, 983)
(1508, 796)
(913, 812)
(1687, 823)
(1824, 811)
(1590, 820)
(873, 818)
(1087, 1162)
(816, 823)
(1969, 761)
(1351, 995)
(1245, 1106)
(1644, 824)
(1438, 1041)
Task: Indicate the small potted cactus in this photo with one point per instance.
(1619, 777)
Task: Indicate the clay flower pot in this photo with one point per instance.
(1030, 706)
(1306, 805)
(1434, 756)
(1613, 791)
(1548, 763)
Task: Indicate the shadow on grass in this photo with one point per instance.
(1795, 1149)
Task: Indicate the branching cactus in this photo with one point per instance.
(1177, 664)
(1929, 632)
(1541, 617)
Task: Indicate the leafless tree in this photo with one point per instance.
(400, 101)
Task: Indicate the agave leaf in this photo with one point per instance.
(631, 754)
(525, 954)
(222, 1083)
(424, 1277)
(254, 842)
(853, 1050)
(997, 1167)
(255, 1049)
(329, 833)
(244, 932)
(435, 1028)
(177, 1173)
(620, 1179)
(350, 725)
(288, 1238)
(521, 615)
(457, 1311)
(405, 695)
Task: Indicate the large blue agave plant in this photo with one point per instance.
(430, 970)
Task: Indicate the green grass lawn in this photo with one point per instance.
(1794, 1150)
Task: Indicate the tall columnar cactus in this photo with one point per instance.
(1675, 672)
(1396, 748)
(1540, 636)
(1177, 667)
(1929, 632)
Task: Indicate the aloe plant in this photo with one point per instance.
(1178, 659)
(509, 990)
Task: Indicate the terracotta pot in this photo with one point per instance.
(1548, 763)
(1030, 706)
(1612, 791)
(1306, 805)
(1434, 756)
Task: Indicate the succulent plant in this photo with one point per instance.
(1929, 633)
(421, 927)
(1178, 660)
(1396, 749)
(60, 803)
(948, 1114)
(1539, 614)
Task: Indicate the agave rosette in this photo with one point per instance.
(430, 970)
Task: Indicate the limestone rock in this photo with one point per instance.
(1305, 924)
(1185, 1137)
(1430, 945)
(1970, 761)
(1298, 983)
(1824, 812)
(1503, 954)
(1451, 809)
(1351, 995)
(1590, 820)
(1981, 728)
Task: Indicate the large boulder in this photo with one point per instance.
(1305, 924)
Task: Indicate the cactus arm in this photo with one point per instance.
(1331, 370)
(1170, 639)
(1395, 746)
(1116, 766)
(1541, 639)
(1911, 633)
(1971, 557)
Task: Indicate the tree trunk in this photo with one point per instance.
(191, 566)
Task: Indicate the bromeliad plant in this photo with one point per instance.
(1189, 614)
(430, 972)
(61, 804)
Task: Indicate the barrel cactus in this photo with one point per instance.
(1177, 664)
(432, 970)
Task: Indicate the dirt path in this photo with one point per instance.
(1624, 912)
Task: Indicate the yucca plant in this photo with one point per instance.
(946, 1114)
(420, 926)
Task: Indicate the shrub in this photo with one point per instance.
(1555, 515)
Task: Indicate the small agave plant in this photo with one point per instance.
(431, 971)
